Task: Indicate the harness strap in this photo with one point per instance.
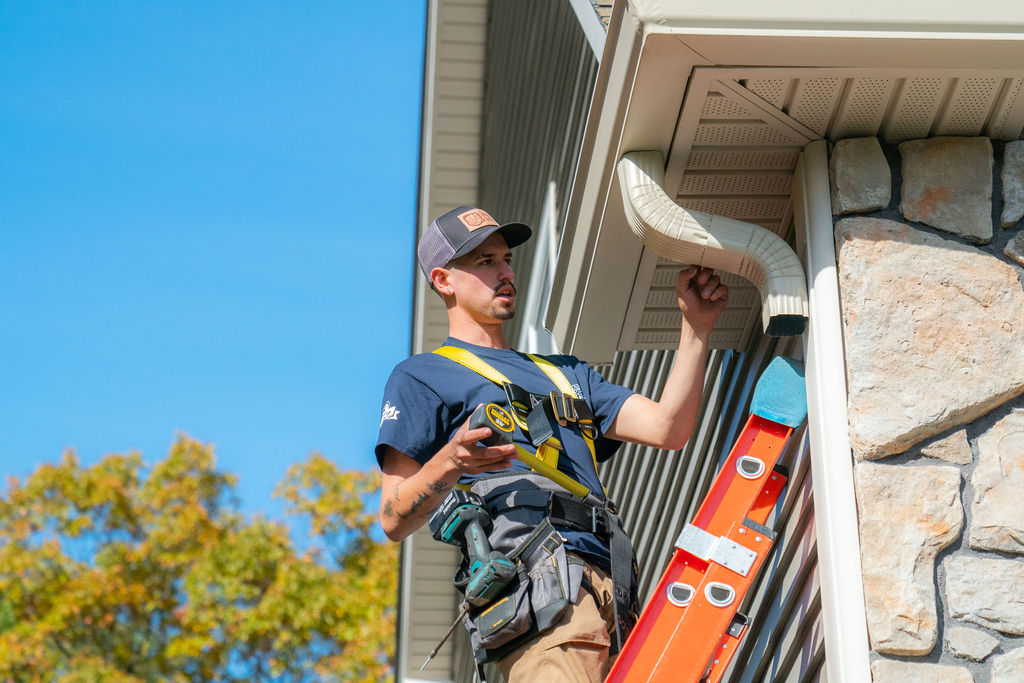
(604, 522)
(545, 451)
(548, 452)
(556, 375)
(480, 367)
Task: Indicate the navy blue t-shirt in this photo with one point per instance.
(428, 397)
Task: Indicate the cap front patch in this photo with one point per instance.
(476, 218)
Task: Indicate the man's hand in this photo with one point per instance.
(410, 492)
(466, 456)
(702, 297)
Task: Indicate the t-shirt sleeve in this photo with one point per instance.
(606, 398)
(412, 418)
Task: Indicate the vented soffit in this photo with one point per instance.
(732, 136)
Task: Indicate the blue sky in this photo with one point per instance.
(206, 225)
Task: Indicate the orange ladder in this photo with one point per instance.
(690, 629)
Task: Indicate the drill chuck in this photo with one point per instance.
(488, 580)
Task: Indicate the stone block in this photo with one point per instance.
(953, 449)
(933, 333)
(997, 513)
(947, 184)
(860, 176)
(968, 643)
(1015, 248)
(1013, 183)
(890, 671)
(986, 591)
(907, 515)
(1008, 668)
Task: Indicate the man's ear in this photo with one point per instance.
(439, 278)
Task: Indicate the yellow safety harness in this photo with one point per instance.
(566, 511)
(548, 451)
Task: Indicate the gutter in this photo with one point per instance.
(696, 237)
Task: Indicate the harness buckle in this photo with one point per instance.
(563, 407)
(518, 399)
(584, 415)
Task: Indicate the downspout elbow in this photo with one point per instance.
(696, 237)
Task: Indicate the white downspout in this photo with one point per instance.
(835, 508)
(695, 237)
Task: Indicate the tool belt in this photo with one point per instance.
(526, 508)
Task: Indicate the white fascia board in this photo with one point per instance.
(909, 16)
(590, 186)
(598, 255)
(872, 34)
(591, 24)
(419, 288)
(819, 49)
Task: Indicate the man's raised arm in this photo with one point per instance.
(669, 422)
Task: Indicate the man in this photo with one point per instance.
(426, 447)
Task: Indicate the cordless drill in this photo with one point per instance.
(463, 520)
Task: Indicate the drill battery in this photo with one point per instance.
(462, 520)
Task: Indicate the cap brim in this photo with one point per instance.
(514, 234)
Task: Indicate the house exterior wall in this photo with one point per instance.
(540, 74)
(929, 242)
(453, 92)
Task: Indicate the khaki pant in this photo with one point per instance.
(576, 648)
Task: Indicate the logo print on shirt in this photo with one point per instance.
(390, 412)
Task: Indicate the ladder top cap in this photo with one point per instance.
(781, 394)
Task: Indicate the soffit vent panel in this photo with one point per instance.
(738, 138)
(895, 105)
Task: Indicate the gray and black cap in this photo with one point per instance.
(459, 232)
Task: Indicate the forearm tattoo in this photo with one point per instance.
(436, 488)
(439, 487)
(415, 505)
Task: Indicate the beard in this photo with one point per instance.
(503, 313)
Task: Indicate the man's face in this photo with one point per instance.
(482, 280)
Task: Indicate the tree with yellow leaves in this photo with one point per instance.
(118, 572)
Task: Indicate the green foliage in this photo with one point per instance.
(107, 574)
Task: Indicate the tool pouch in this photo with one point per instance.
(546, 584)
(504, 619)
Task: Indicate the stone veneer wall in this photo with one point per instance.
(930, 245)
